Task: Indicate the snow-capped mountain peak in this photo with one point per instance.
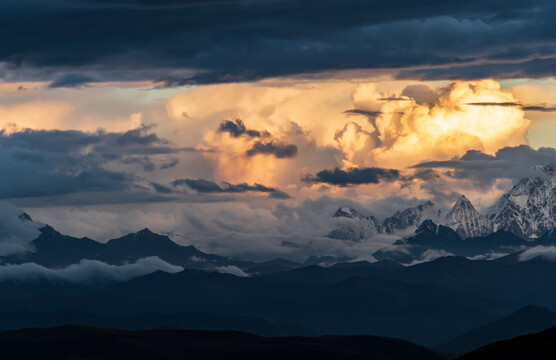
(410, 217)
(466, 221)
(347, 212)
(353, 226)
(529, 208)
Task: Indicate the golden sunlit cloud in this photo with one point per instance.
(390, 127)
(334, 123)
(34, 115)
(410, 132)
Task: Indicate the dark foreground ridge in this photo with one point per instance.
(528, 320)
(77, 342)
(539, 346)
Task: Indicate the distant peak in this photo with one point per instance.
(426, 226)
(535, 308)
(145, 231)
(462, 202)
(48, 230)
(423, 206)
(544, 170)
(463, 199)
(25, 217)
(345, 212)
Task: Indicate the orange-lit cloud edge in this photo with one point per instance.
(333, 123)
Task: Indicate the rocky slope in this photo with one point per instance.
(353, 226)
(466, 221)
(410, 217)
(529, 208)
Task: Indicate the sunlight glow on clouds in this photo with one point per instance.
(385, 128)
(409, 132)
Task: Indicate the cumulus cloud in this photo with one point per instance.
(89, 272)
(310, 116)
(441, 130)
(388, 125)
(355, 142)
(545, 252)
(257, 159)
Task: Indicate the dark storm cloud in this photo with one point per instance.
(422, 94)
(73, 80)
(524, 68)
(354, 176)
(40, 163)
(200, 185)
(368, 113)
(72, 43)
(275, 148)
(206, 186)
(503, 104)
(237, 128)
(161, 3)
(162, 189)
(508, 163)
(394, 99)
(144, 161)
(170, 164)
(371, 115)
(541, 108)
(27, 173)
(64, 141)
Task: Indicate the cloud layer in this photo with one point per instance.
(545, 252)
(184, 42)
(88, 272)
(205, 173)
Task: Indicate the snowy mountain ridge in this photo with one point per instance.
(466, 221)
(528, 210)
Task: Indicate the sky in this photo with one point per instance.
(240, 126)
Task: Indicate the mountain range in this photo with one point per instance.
(431, 304)
(525, 217)
(53, 249)
(528, 211)
(145, 280)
